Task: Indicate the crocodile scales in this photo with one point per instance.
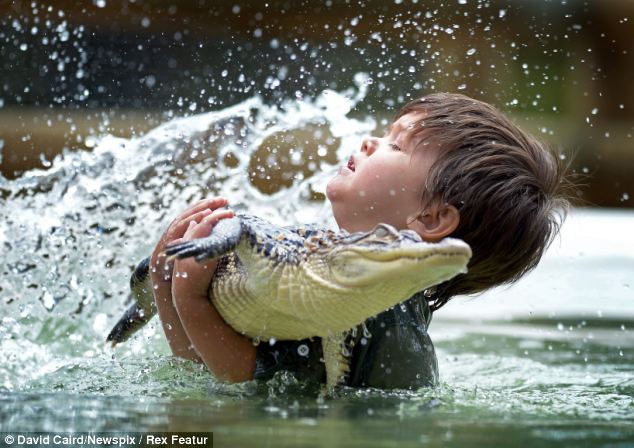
(296, 282)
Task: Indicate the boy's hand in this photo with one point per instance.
(193, 327)
(176, 231)
(197, 276)
(227, 353)
(161, 275)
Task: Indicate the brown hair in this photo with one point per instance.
(508, 187)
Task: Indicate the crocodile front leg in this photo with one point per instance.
(336, 358)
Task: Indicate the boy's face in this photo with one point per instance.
(383, 182)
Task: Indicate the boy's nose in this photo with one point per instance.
(369, 145)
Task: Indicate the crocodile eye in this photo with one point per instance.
(380, 232)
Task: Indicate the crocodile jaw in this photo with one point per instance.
(421, 263)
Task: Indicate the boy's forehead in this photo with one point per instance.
(409, 124)
(406, 122)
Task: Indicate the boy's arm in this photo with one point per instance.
(228, 354)
(174, 331)
(206, 318)
(161, 275)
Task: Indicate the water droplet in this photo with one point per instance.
(303, 350)
(150, 81)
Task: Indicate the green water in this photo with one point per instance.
(550, 389)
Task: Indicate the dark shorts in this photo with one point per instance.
(393, 351)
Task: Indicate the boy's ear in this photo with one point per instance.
(435, 222)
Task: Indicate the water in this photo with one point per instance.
(549, 361)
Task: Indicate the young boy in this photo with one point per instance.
(448, 166)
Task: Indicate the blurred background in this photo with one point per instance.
(562, 69)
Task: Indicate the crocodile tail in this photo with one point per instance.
(141, 311)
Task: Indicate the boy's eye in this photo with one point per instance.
(394, 147)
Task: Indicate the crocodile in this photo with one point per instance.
(296, 282)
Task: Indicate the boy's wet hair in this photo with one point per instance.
(508, 187)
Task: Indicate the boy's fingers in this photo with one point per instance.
(188, 233)
(198, 216)
(198, 231)
(204, 227)
(216, 216)
(211, 203)
(181, 227)
(178, 228)
(196, 213)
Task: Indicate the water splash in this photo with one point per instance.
(72, 234)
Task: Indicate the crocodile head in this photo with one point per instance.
(386, 257)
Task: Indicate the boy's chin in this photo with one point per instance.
(333, 189)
